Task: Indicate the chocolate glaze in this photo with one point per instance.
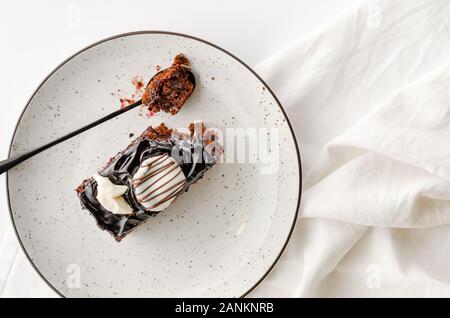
(190, 154)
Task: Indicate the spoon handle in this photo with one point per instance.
(7, 164)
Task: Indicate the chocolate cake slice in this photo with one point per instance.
(146, 177)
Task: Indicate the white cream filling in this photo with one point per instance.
(111, 197)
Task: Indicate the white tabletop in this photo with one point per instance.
(38, 35)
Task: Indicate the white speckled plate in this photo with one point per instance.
(220, 239)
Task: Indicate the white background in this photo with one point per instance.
(38, 35)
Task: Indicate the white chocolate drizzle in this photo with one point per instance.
(157, 182)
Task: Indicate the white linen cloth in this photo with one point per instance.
(369, 99)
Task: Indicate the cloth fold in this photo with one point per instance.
(369, 99)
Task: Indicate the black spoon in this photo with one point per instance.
(7, 164)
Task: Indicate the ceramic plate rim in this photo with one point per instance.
(294, 221)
